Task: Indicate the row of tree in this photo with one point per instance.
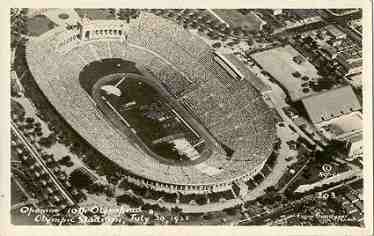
(18, 26)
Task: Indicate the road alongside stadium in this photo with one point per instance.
(34, 153)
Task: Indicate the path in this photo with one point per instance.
(34, 153)
(277, 98)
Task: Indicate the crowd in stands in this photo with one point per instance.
(103, 48)
(237, 119)
(173, 80)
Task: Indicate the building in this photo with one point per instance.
(351, 66)
(328, 52)
(335, 42)
(97, 29)
(335, 33)
(331, 104)
(306, 16)
(356, 147)
(342, 128)
(276, 11)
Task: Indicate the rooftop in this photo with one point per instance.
(334, 31)
(331, 104)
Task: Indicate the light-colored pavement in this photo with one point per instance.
(280, 167)
(334, 179)
(54, 15)
(294, 177)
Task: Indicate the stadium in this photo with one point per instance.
(96, 75)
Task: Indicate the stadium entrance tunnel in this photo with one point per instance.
(139, 107)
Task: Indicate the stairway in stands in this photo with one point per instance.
(221, 74)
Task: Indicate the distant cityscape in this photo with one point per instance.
(186, 117)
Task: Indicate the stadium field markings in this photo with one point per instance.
(185, 123)
(120, 81)
(116, 112)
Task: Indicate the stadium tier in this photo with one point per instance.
(231, 110)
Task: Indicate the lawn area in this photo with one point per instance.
(17, 195)
(280, 64)
(16, 108)
(287, 176)
(235, 19)
(38, 25)
(95, 13)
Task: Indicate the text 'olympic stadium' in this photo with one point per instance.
(227, 113)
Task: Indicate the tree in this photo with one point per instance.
(30, 120)
(170, 14)
(45, 142)
(232, 211)
(216, 45)
(176, 210)
(28, 126)
(110, 191)
(270, 189)
(66, 158)
(79, 179)
(130, 200)
(38, 130)
(322, 83)
(337, 146)
(296, 74)
(18, 18)
(194, 25)
(66, 161)
(268, 29)
(201, 28)
(250, 41)
(147, 207)
(124, 14)
(112, 11)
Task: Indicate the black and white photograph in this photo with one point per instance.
(187, 116)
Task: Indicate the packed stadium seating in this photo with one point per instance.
(102, 48)
(173, 80)
(219, 72)
(116, 47)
